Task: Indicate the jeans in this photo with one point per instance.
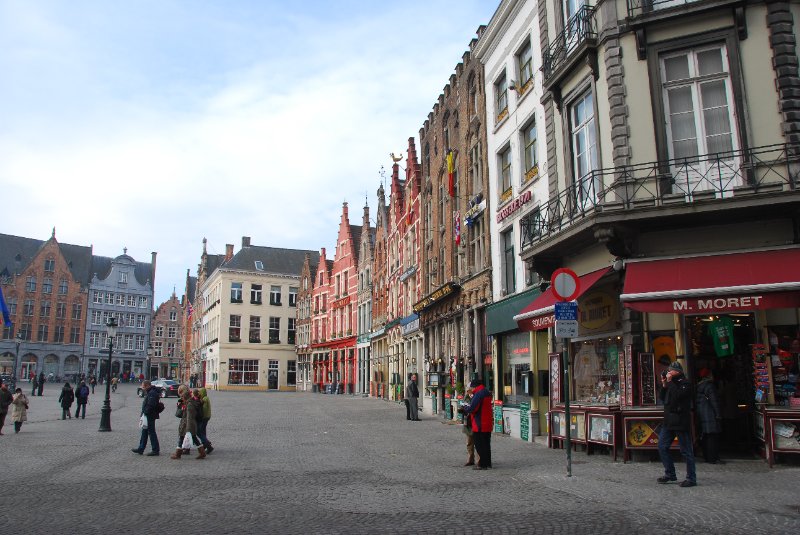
(665, 438)
(149, 432)
(483, 445)
(78, 410)
(201, 432)
(65, 412)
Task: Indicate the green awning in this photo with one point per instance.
(500, 315)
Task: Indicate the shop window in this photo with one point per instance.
(596, 370)
(516, 367)
(242, 372)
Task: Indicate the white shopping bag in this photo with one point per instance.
(187, 441)
(142, 422)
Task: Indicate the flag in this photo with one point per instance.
(457, 226)
(4, 310)
(189, 310)
(451, 185)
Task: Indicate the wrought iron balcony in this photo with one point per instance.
(668, 184)
(637, 8)
(579, 28)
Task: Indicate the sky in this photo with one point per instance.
(150, 125)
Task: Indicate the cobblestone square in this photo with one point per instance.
(309, 463)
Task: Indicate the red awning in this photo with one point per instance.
(717, 283)
(539, 314)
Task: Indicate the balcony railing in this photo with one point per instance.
(579, 28)
(666, 183)
(637, 8)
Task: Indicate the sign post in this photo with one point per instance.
(566, 287)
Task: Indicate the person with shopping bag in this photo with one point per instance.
(151, 407)
(191, 409)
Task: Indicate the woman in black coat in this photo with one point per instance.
(66, 398)
(709, 416)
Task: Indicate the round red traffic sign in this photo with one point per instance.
(565, 284)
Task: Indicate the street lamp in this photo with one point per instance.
(149, 357)
(18, 340)
(105, 412)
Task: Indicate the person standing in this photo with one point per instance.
(412, 394)
(407, 397)
(19, 409)
(150, 409)
(676, 394)
(82, 398)
(202, 425)
(41, 383)
(114, 382)
(35, 385)
(480, 408)
(710, 415)
(93, 382)
(66, 398)
(6, 397)
(467, 429)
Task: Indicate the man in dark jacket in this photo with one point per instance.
(676, 393)
(150, 406)
(41, 383)
(482, 422)
(412, 395)
(82, 397)
(5, 400)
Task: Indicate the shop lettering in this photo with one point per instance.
(543, 322)
(719, 303)
(514, 205)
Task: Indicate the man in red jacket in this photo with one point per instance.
(482, 421)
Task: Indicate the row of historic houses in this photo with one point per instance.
(651, 148)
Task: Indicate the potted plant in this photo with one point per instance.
(460, 388)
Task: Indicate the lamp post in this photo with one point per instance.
(105, 412)
(18, 341)
(149, 357)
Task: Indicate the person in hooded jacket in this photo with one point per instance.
(19, 409)
(192, 411)
(480, 409)
(150, 411)
(709, 414)
(66, 398)
(202, 425)
(676, 394)
(82, 397)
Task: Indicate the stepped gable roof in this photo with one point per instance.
(17, 252)
(275, 260)
(101, 266)
(355, 232)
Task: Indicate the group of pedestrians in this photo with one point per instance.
(68, 396)
(193, 409)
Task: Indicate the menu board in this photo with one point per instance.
(577, 426)
(642, 433)
(498, 416)
(524, 420)
(647, 379)
(558, 424)
(555, 379)
(601, 428)
(448, 407)
(626, 370)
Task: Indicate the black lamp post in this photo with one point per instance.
(18, 341)
(105, 412)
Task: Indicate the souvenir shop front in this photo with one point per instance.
(733, 317)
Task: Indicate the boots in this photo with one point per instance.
(201, 452)
(177, 454)
(470, 461)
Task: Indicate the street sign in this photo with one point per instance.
(566, 328)
(565, 284)
(566, 310)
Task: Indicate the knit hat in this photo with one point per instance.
(704, 372)
(676, 366)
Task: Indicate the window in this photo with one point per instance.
(291, 373)
(123, 277)
(255, 294)
(143, 302)
(274, 330)
(173, 315)
(291, 328)
(472, 103)
(501, 98)
(63, 287)
(477, 244)
(44, 309)
(28, 308)
(292, 297)
(275, 295)
(109, 298)
(120, 299)
(12, 306)
(235, 329)
(140, 321)
(507, 246)
(255, 330)
(516, 357)
(97, 298)
(529, 142)
(49, 265)
(30, 284)
(139, 342)
(75, 335)
(128, 341)
(525, 67)
(61, 311)
(47, 285)
(259, 265)
(236, 292)
(42, 336)
(94, 339)
(159, 331)
(58, 336)
(171, 331)
(242, 372)
(170, 349)
(25, 331)
(584, 149)
(504, 165)
(475, 169)
(158, 349)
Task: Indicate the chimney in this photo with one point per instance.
(245, 241)
(153, 268)
(228, 251)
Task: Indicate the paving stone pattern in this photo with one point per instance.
(310, 463)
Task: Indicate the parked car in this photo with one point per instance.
(5, 378)
(168, 387)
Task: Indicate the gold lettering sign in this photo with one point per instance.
(596, 310)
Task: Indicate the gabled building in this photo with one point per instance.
(303, 344)
(167, 341)
(379, 347)
(364, 303)
(192, 360)
(320, 329)
(200, 340)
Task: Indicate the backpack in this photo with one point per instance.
(160, 408)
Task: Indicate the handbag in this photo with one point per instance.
(179, 411)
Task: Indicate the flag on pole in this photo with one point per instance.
(457, 227)
(4, 310)
(451, 185)
(189, 310)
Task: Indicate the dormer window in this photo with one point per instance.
(259, 265)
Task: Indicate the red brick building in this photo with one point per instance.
(167, 341)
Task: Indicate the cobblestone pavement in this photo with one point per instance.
(309, 463)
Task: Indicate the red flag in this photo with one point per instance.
(451, 185)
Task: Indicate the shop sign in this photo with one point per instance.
(341, 302)
(642, 433)
(410, 327)
(498, 416)
(437, 295)
(407, 273)
(524, 420)
(597, 310)
(474, 212)
(514, 205)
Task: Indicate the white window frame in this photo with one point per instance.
(586, 193)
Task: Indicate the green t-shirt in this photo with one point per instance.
(721, 332)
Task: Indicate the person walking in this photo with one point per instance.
(676, 394)
(480, 408)
(114, 382)
(202, 425)
(412, 395)
(82, 398)
(151, 407)
(6, 397)
(93, 382)
(19, 409)
(710, 415)
(41, 383)
(66, 398)
(187, 429)
(34, 385)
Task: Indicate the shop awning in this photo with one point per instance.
(500, 315)
(539, 314)
(741, 281)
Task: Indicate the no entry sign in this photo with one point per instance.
(565, 284)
